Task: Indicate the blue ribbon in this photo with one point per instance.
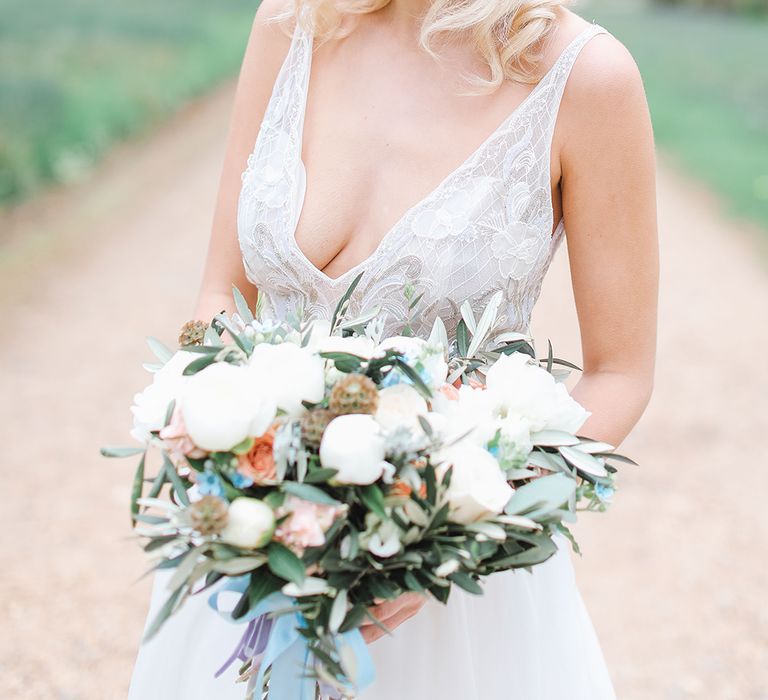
(274, 640)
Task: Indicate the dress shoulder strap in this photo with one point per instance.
(557, 77)
(283, 119)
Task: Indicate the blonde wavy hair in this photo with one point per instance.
(507, 33)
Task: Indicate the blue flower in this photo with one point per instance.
(209, 484)
(604, 493)
(394, 377)
(240, 481)
(397, 376)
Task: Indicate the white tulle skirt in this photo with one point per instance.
(528, 638)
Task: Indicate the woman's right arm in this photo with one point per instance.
(267, 47)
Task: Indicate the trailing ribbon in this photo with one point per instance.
(274, 640)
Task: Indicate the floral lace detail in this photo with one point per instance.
(486, 228)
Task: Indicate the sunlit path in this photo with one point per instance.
(677, 593)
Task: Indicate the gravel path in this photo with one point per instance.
(676, 588)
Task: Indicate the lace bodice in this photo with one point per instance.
(486, 227)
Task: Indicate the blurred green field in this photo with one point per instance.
(706, 74)
(77, 75)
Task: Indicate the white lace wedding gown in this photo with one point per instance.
(486, 227)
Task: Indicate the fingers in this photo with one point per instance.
(385, 609)
(371, 633)
(391, 614)
(388, 608)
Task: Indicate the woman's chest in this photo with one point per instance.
(374, 150)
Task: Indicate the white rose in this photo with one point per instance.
(514, 441)
(439, 425)
(289, 374)
(353, 345)
(222, 405)
(427, 359)
(353, 445)
(321, 340)
(318, 330)
(250, 523)
(150, 407)
(384, 541)
(521, 388)
(478, 488)
(400, 407)
(312, 585)
(469, 416)
(567, 414)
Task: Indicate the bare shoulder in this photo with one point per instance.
(269, 40)
(272, 26)
(604, 104)
(605, 77)
(267, 48)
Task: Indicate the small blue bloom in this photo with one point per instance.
(423, 374)
(397, 376)
(394, 377)
(209, 484)
(604, 493)
(494, 450)
(240, 481)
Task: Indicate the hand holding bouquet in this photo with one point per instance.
(315, 469)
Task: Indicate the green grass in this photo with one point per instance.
(78, 75)
(706, 75)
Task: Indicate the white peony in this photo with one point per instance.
(223, 405)
(469, 415)
(427, 359)
(383, 540)
(567, 414)
(353, 445)
(318, 329)
(321, 340)
(312, 585)
(150, 407)
(289, 374)
(518, 387)
(353, 345)
(515, 442)
(250, 523)
(400, 407)
(478, 488)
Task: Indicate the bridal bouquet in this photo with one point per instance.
(313, 468)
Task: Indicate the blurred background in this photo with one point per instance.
(112, 123)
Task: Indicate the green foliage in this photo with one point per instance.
(706, 75)
(745, 6)
(78, 75)
(402, 532)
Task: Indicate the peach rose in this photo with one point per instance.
(401, 489)
(306, 523)
(177, 441)
(449, 391)
(259, 462)
(457, 385)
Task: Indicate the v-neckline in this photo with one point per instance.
(467, 162)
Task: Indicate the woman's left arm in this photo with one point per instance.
(609, 206)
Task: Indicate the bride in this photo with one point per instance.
(449, 145)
